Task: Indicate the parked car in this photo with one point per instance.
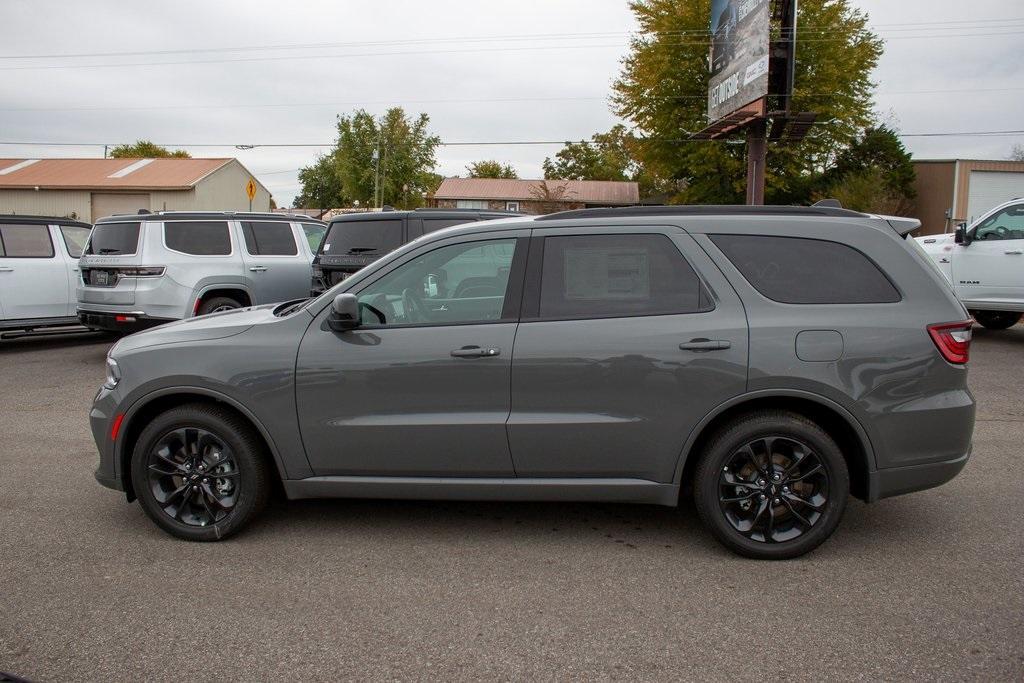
(38, 271)
(356, 240)
(144, 270)
(771, 359)
(985, 264)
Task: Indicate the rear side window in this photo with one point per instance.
(113, 239)
(601, 276)
(25, 241)
(75, 237)
(199, 238)
(314, 235)
(363, 238)
(269, 238)
(794, 270)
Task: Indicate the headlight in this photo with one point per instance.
(113, 373)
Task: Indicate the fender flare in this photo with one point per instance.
(199, 292)
(851, 420)
(143, 401)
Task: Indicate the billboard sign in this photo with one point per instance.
(739, 55)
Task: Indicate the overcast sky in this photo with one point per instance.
(443, 57)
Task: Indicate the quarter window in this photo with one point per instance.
(794, 270)
(460, 283)
(75, 237)
(314, 235)
(25, 241)
(602, 276)
(199, 238)
(269, 238)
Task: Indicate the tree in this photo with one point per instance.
(388, 159)
(663, 90)
(1017, 153)
(144, 149)
(490, 168)
(321, 186)
(877, 153)
(869, 190)
(550, 197)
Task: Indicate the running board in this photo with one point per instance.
(486, 489)
(43, 331)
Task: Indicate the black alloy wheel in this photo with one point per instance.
(771, 485)
(773, 489)
(193, 476)
(200, 471)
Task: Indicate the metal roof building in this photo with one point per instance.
(533, 196)
(88, 189)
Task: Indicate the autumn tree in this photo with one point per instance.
(489, 168)
(663, 86)
(144, 149)
(391, 156)
(321, 185)
(550, 196)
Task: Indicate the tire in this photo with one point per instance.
(997, 320)
(793, 528)
(213, 507)
(218, 303)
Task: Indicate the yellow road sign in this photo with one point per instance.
(250, 189)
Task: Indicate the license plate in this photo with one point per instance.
(100, 277)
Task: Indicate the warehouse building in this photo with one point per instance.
(533, 196)
(88, 189)
(953, 191)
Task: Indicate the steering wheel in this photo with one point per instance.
(1002, 231)
(413, 308)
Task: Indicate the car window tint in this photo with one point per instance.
(363, 238)
(599, 276)
(459, 283)
(1008, 224)
(433, 224)
(199, 238)
(26, 241)
(795, 270)
(269, 238)
(113, 239)
(75, 237)
(314, 235)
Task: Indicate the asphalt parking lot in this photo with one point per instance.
(927, 586)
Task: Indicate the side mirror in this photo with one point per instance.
(961, 236)
(344, 313)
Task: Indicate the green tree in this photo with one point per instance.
(489, 168)
(869, 190)
(663, 90)
(878, 149)
(321, 186)
(391, 157)
(144, 149)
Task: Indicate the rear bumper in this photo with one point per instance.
(129, 321)
(896, 481)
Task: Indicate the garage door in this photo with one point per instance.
(107, 204)
(991, 188)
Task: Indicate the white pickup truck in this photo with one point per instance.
(985, 264)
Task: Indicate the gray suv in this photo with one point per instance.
(142, 270)
(772, 361)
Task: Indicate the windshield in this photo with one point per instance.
(363, 238)
(113, 239)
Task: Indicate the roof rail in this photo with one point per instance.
(705, 210)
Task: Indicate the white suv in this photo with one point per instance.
(144, 270)
(985, 264)
(38, 271)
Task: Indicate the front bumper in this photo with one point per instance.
(129, 321)
(895, 481)
(101, 419)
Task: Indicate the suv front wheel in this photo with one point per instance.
(771, 485)
(199, 472)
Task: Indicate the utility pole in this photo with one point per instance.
(757, 158)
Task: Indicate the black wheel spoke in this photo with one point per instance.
(803, 520)
(813, 470)
(792, 497)
(181, 468)
(740, 498)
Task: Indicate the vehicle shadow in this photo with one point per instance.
(52, 341)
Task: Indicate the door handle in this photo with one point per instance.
(258, 269)
(475, 352)
(1016, 252)
(705, 345)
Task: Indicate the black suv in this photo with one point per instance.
(354, 241)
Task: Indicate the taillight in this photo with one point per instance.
(142, 271)
(953, 340)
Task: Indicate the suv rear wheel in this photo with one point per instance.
(997, 320)
(217, 304)
(771, 485)
(199, 472)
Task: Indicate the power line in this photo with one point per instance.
(460, 51)
(475, 143)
